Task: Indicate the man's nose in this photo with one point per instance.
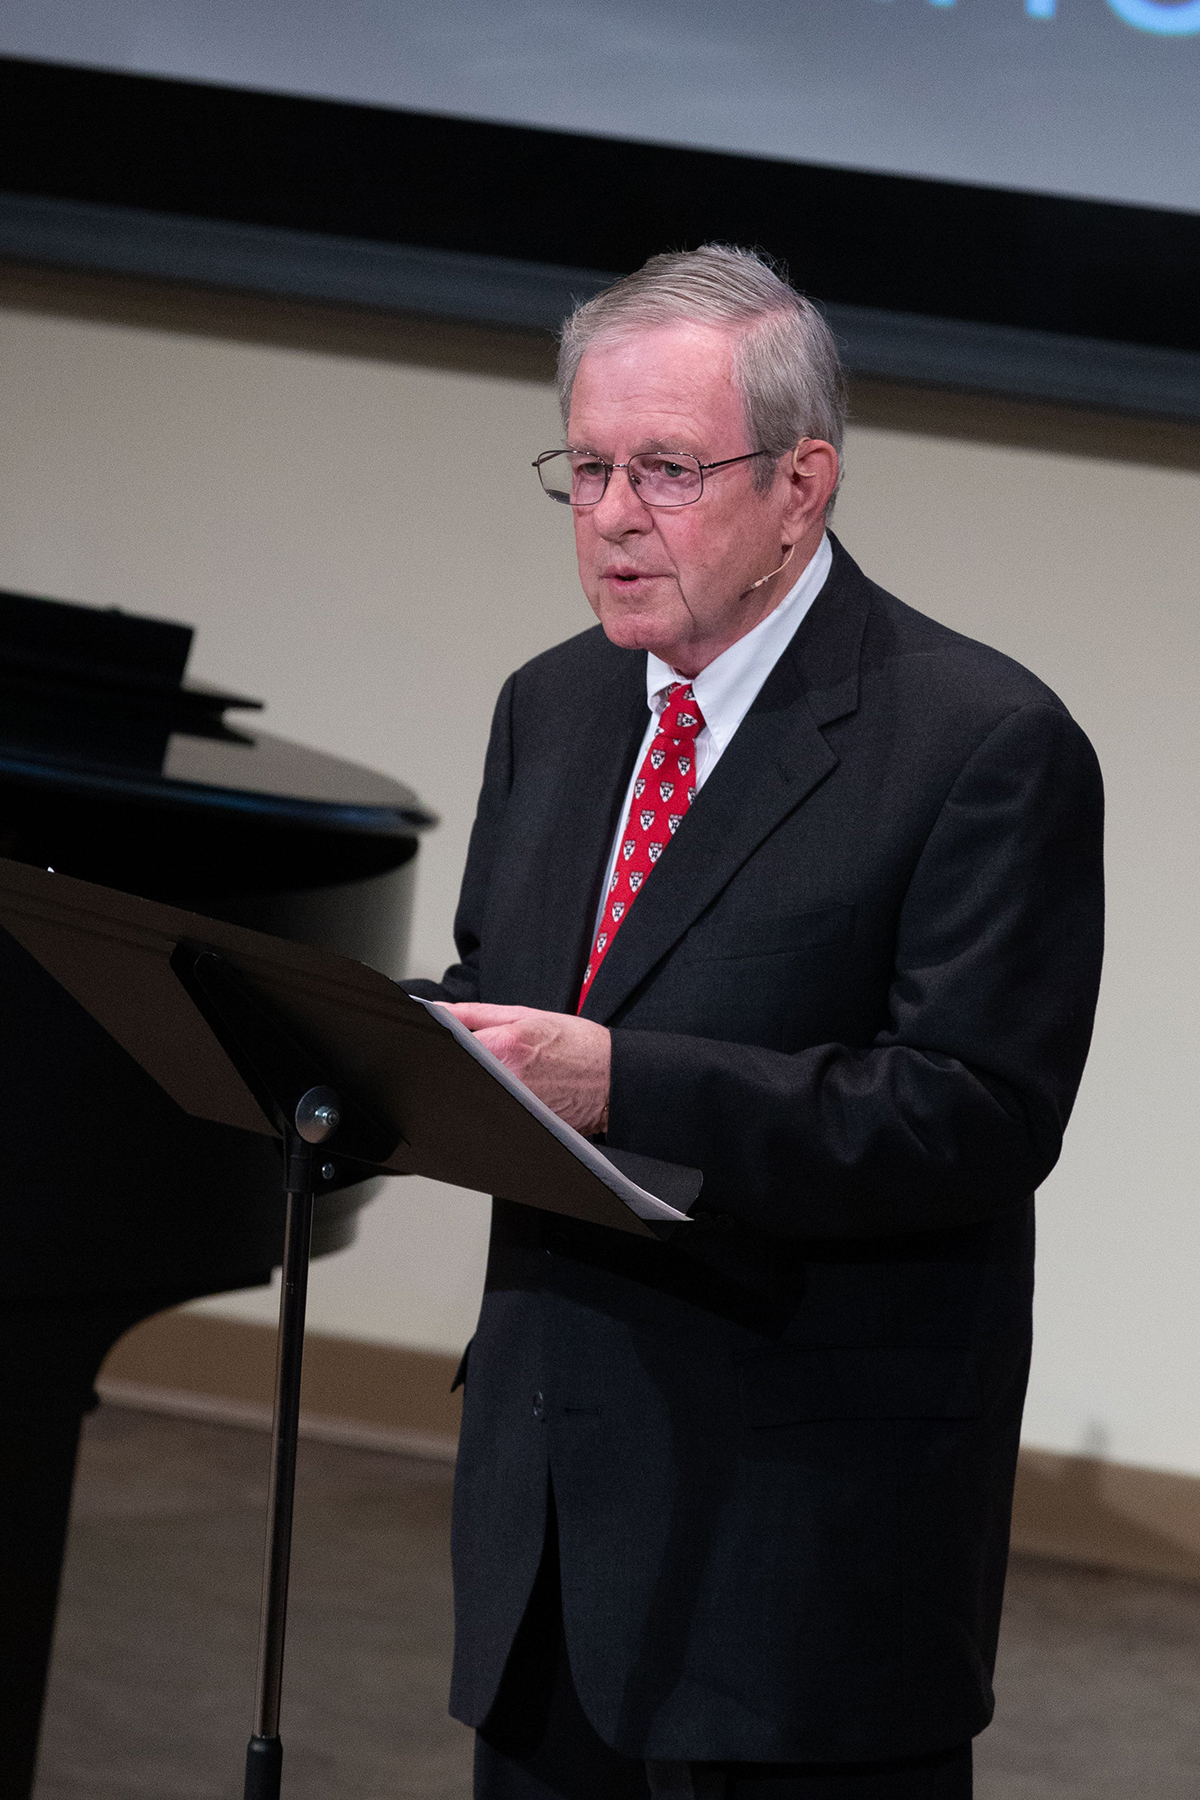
(619, 509)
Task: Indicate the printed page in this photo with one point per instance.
(644, 1205)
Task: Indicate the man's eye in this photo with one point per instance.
(589, 470)
(672, 470)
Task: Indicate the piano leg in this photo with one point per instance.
(50, 1353)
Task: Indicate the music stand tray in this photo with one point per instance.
(335, 1060)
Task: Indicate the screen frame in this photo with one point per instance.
(935, 282)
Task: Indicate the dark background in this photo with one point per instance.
(1085, 268)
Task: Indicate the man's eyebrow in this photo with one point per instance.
(648, 446)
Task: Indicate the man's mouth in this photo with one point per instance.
(625, 575)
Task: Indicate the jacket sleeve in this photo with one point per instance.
(957, 1109)
(461, 979)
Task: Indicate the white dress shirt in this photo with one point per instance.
(725, 691)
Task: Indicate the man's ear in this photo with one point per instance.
(812, 481)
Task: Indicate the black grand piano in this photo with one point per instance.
(113, 1203)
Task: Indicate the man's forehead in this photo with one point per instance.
(683, 355)
(656, 382)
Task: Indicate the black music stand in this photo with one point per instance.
(336, 1061)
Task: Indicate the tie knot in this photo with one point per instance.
(681, 716)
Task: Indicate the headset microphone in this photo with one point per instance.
(783, 565)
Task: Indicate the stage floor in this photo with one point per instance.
(1098, 1684)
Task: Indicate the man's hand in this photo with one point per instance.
(565, 1060)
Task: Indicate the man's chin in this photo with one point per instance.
(633, 627)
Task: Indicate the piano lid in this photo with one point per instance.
(93, 701)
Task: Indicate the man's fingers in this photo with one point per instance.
(565, 1060)
(477, 1015)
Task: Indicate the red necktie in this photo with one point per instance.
(664, 789)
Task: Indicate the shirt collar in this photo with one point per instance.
(726, 689)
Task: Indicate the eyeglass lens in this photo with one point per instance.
(659, 479)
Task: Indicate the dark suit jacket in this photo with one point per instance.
(857, 993)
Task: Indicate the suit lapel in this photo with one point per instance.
(776, 758)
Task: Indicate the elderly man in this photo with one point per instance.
(776, 878)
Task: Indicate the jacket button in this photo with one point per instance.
(539, 1405)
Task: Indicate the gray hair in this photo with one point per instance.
(785, 362)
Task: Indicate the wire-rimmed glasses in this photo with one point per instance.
(657, 477)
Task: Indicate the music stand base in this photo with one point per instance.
(264, 1768)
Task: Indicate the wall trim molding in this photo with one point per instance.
(471, 288)
(215, 1409)
(371, 1396)
(1073, 1509)
(1081, 1509)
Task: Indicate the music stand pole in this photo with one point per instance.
(317, 1117)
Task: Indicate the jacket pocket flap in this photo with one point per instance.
(789, 1387)
(727, 938)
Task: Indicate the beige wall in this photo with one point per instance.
(294, 485)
